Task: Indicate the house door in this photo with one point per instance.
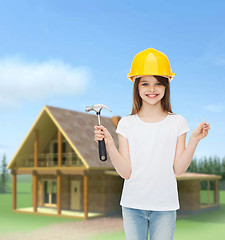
(75, 195)
(50, 192)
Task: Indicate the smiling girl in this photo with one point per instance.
(152, 150)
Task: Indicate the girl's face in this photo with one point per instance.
(149, 85)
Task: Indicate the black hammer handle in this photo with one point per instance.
(102, 150)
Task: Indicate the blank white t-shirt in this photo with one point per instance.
(152, 184)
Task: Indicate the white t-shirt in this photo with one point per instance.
(152, 184)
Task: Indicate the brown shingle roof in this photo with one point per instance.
(185, 176)
(79, 128)
(197, 176)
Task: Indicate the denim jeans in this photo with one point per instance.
(138, 223)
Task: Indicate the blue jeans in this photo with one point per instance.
(138, 222)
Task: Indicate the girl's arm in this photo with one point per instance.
(120, 160)
(183, 156)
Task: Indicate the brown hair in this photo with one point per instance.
(165, 101)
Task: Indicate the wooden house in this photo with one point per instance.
(68, 179)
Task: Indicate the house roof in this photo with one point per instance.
(184, 176)
(78, 130)
(197, 176)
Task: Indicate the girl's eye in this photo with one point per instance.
(156, 83)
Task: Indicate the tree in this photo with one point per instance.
(3, 175)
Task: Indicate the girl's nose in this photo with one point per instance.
(152, 89)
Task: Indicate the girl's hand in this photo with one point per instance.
(197, 134)
(102, 132)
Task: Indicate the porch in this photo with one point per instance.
(53, 212)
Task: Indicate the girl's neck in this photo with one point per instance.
(152, 114)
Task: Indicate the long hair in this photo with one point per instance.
(165, 101)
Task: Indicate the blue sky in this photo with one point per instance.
(73, 54)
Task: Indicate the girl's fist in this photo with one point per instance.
(102, 132)
(198, 132)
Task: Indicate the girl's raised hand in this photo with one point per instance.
(102, 132)
(198, 132)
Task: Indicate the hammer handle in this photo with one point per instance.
(102, 150)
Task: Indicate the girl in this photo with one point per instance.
(152, 150)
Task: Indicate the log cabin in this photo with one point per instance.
(69, 180)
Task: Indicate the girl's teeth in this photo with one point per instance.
(152, 95)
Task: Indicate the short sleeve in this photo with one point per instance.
(182, 125)
(122, 127)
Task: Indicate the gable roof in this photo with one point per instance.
(78, 130)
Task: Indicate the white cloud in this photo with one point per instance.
(214, 108)
(31, 81)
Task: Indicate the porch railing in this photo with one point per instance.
(50, 160)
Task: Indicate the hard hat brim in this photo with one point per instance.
(133, 77)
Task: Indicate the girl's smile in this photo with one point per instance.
(152, 96)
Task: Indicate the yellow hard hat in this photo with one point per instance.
(150, 62)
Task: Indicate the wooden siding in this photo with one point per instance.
(189, 195)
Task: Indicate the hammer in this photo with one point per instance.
(101, 144)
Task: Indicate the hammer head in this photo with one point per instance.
(97, 108)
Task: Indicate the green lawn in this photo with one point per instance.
(206, 226)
